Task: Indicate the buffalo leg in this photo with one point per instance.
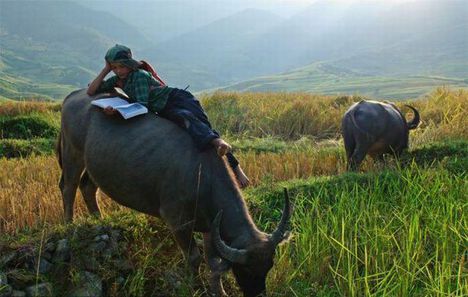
(88, 191)
(357, 157)
(71, 172)
(217, 267)
(350, 146)
(189, 247)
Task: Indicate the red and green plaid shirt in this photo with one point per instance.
(141, 87)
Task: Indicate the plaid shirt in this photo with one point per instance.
(141, 87)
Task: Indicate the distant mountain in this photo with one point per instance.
(62, 43)
(373, 38)
(217, 51)
(161, 20)
(328, 30)
(53, 42)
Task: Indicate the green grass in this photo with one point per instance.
(387, 234)
(402, 231)
(22, 148)
(393, 233)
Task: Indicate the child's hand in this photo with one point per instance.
(108, 67)
(110, 111)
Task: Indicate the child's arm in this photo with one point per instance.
(94, 85)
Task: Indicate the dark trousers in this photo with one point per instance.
(185, 110)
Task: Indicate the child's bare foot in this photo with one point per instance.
(241, 177)
(222, 147)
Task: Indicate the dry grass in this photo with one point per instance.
(14, 108)
(29, 194)
(290, 116)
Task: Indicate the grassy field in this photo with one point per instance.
(330, 80)
(394, 229)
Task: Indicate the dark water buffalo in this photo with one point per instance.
(149, 164)
(375, 128)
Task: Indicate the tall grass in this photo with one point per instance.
(15, 108)
(397, 233)
(290, 116)
(391, 234)
(30, 197)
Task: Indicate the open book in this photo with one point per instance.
(127, 110)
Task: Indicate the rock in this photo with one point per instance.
(99, 229)
(90, 285)
(19, 278)
(62, 252)
(43, 289)
(120, 281)
(105, 237)
(17, 293)
(50, 247)
(3, 279)
(97, 247)
(47, 256)
(90, 263)
(115, 234)
(7, 259)
(6, 291)
(123, 265)
(44, 266)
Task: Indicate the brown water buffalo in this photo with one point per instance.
(151, 165)
(375, 128)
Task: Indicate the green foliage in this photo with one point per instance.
(452, 154)
(21, 148)
(26, 127)
(399, 233)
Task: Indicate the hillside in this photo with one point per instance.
(218, 50)
(50, 47)
(421, 38)
(330, 79)
(392, 48)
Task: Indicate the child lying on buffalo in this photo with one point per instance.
(174, 104)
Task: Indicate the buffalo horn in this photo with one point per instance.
(228, 253)
(279, 234)
(415, 121)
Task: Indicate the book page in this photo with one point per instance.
(112, 102)
(131, 110)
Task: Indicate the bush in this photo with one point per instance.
(20, 148)
(26, 127)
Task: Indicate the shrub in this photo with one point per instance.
(20, 148)
(25, 127)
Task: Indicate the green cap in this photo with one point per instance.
(123, 55)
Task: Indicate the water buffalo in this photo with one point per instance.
(375, 128)
(151, 165)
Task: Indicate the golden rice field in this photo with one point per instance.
(29, 194)
(396, 232)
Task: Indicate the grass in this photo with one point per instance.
(395, 229)
(292, 116)
(374, 234)
(386, 234)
